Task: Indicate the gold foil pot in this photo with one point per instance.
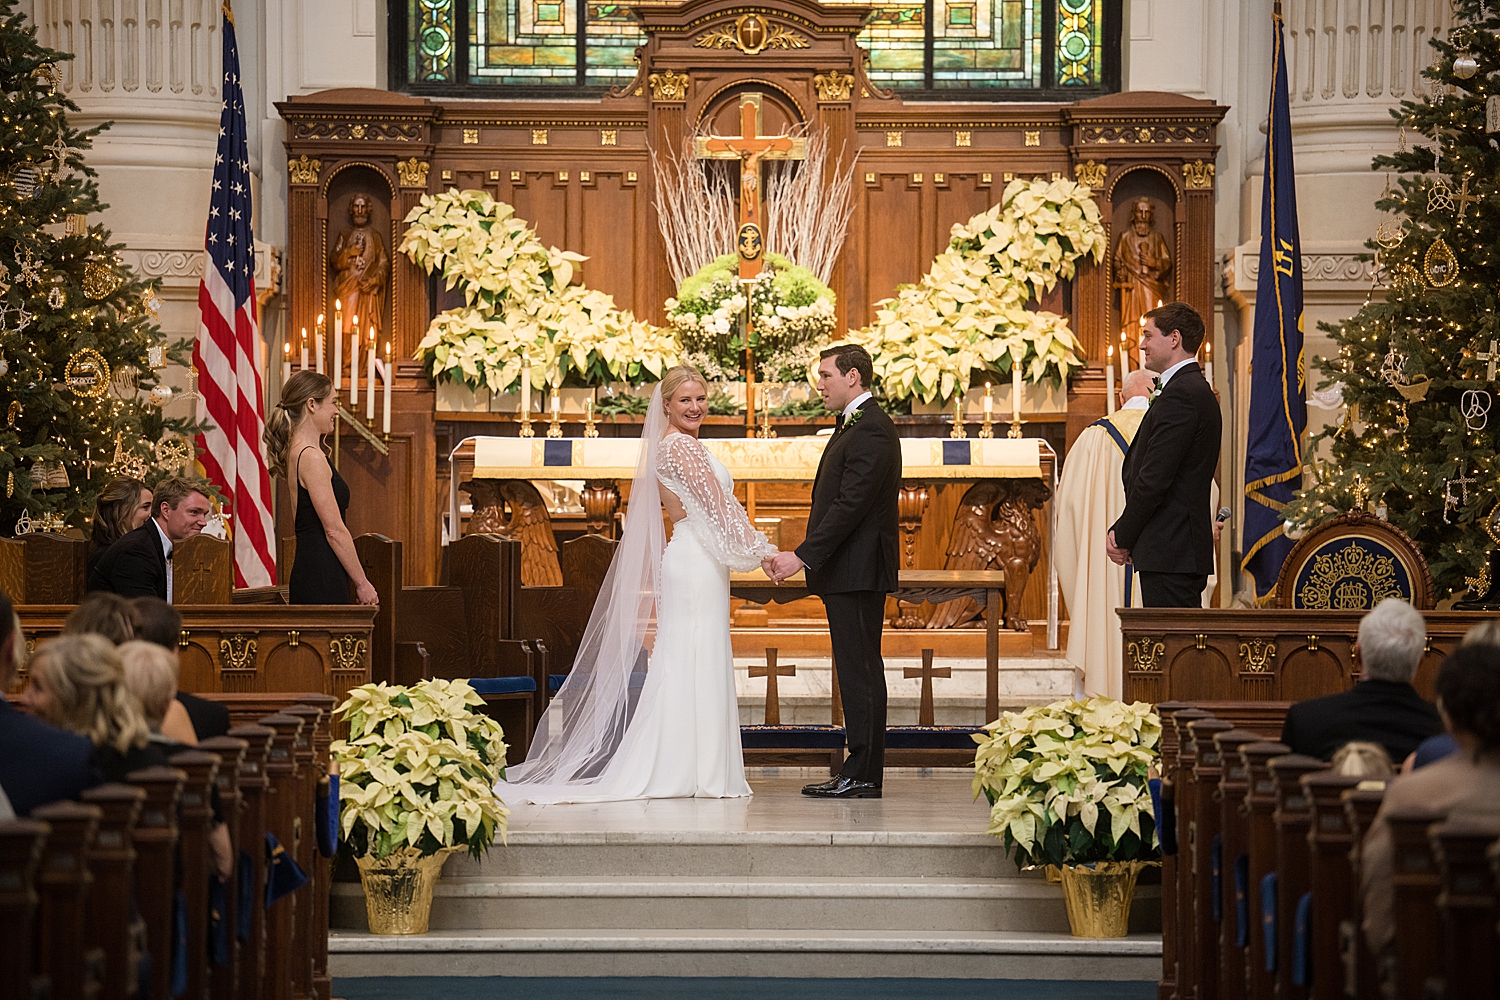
(398, 889)
(1099, 898)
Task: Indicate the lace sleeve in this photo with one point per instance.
(728, 535)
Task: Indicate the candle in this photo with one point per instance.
(319, 335)
(1124, 357)
(1208, 362)
(525, 387)
(370, 396)
(286, 363)
(385, 423)
(304, 348)
(1109, 379)
(989, 401)
(354, 368)
(1015, 391)
(338, 354)
(338, 317)
(556, 400)
(1140, 348)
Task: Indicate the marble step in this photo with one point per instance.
(797, 953)
(824, 904)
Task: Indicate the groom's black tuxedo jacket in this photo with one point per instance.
(852, 534)
(1167, 524)
(134, 566)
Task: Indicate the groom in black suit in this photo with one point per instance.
(1166, 529)
(851, 556)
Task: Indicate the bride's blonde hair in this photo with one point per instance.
(678, 377)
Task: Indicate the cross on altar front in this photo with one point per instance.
(750, 148)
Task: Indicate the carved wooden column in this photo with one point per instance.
(601, 499)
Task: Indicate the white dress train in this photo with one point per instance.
(683, 739)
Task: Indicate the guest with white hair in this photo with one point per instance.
(1383, 707)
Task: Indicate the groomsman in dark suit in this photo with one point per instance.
(852, 559)
(140, 563)
(1166, 529)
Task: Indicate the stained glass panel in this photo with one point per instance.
(523, 42)
(431, 32)
(1079, 52)
(613, 36)
(987, 43)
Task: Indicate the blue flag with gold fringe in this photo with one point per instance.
(1278, 408)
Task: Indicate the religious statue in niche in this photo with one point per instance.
(1143, 268)
(361, 268)
(529, 524)
(994, 529)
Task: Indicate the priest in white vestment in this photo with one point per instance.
(1090, 498)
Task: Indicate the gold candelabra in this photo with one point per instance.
(590, 430)
(766, 430)
(554, 429)
(958, 417)
(1015, 402)
(987, 426)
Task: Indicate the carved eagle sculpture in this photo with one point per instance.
(994, 529)
(529, 524)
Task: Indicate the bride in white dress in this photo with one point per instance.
(649, 710)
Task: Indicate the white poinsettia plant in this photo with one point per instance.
(522, 310)
(418, 770)
(969, 312)
(1066, 782)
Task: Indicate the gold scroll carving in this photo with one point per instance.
(1090, 172)
(1198, 174)
(668, 86)
(1256, 656)
(303, 170)
(1145, 654)
(413, 172)
(833, 85)
(751, 34)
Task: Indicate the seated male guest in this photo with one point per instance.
(140, 563)
(157, 621)
(1383, 707)
(39, 763)
(1465, 784)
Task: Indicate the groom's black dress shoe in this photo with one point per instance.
(843, 788)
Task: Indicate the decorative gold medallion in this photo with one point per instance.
(668, 85)
(1391, 233)
(126, 463)
(173, 452)
(750, 243)
(751, 34)
(87, 374)
(1439, 265)
(305, 171)
(126, 383)
(833, 85)
(237, 650)
(1439, 197)
(100, 279)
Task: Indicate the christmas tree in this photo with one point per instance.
(79, 399)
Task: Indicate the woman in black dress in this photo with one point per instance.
(123, 505)
(325, 564)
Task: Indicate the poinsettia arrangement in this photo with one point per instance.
(522, 310)
(969, 312)
(418, 770)
(1066, 782)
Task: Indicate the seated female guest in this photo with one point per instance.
(325, 562)
(123, 505)
(78, 683)
(113, 617)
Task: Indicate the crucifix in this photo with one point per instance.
(1464, 197)
(1492, 356)
(750, 148)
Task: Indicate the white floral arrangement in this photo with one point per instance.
(789, 310)
(418, 770)
(1066, 782)
(969, 312)
(521, 308)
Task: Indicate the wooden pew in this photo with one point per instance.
(63, 886)
(281, 821)
(1234, 934)
(1167, 987)
(1208, 766)
(1466, 901)
(1361, 980)
(231, 752)
(1293, 818)
(1416, 882)
(250, 969)
(1260, 810)
(114, 928)
(1331, 875)
(310, 915)
(155, 864)
(1185, 794)
(21, 845)
(195, 820)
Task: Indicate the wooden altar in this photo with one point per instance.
(580, 172)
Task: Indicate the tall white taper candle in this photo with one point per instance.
(370, 396)
(1109, 379)
(385, 423)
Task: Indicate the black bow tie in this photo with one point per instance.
(838, 423)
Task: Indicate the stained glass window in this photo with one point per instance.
(1011, 48)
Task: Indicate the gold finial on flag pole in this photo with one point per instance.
(229, 10)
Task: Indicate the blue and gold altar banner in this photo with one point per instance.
(791, 459)
(1278, 408)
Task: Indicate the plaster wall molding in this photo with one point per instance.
(180, 267)
(1329, 272)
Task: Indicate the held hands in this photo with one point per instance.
(781, 565)
(364, 593)
(1117, 555)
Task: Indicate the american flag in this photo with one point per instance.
(227, 352)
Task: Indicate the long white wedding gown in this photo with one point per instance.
(683, 737)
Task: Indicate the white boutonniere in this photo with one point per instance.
(853, 419)
(1155, 391)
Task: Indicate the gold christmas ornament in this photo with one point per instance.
(126, 463)
(152, 304)
(100, 279)
(160, 395)
(1439, 265)
(1439, 197)
(1405, 278)
(76, 225)
(56, 297)
(13, 412)
(1391, 233)
(10, 483)
(87, 374)
(27, 270)
(49, 476)
(156, 356)
(48, 77)
(23, 526)
(126, 383)
(173, 453)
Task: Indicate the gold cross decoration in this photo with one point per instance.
(1492, 356)
(926, 714)
(1464, 197)
(770, 671)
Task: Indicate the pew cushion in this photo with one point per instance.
(179, 944)
(283, 875)
(791, 737)
(931, 737)
(1268, 918)
(244, 896)
(328, 817)
(1302, 942)
(1242, 901)
(503, 685)
(1164, 812)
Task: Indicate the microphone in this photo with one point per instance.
(1223, 514)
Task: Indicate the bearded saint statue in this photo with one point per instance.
(361, 268)
(1143, 265)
